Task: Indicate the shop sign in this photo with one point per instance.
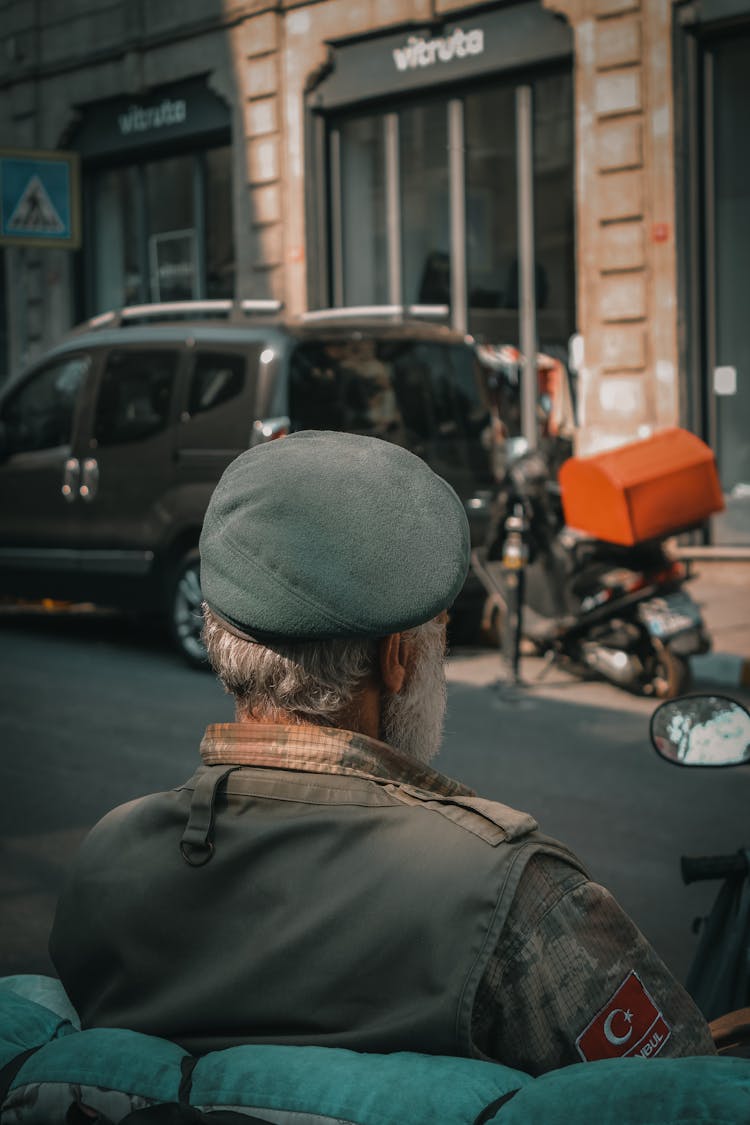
(419, 52)
(426, 52)
(513, 36)
(39, 200)
(186, 110)
(144, 118)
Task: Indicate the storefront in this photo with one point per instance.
(714, 71)
(419, 142)
(157, 198)
(539, 168)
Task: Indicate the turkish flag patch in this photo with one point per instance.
(629, 1024)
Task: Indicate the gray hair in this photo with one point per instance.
(310, 682)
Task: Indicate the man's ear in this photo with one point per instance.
(394, 657)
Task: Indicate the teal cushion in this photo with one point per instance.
(111, 1058)
(25, 1025)
(47, 991)
(692, 1091)
(341, 1085)
(114, 1072)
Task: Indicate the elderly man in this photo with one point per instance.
(316, 881)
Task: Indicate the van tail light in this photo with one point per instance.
(269, 429)
(624, 581)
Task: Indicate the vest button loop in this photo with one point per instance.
(197, 855)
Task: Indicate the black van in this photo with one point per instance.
(111, 445)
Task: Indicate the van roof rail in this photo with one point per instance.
(163, 309)
(395, 312)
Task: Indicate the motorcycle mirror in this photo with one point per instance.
(702, 730)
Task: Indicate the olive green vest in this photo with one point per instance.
(259, 905)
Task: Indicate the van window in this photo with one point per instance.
(135, 395)
(409, 392)
(40, 414)
(220, 400)
(216, 379)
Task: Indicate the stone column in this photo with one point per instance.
(258, 157)
(307, 32)
(625, 217)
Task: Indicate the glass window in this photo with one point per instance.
(220, 263)
(4, 319)
(437, 390)
(118, 275)
(342, 384)
(134, 396)
(397, 389)
(731, 59)
(425, 204)
(491, 227)
(221, 400)
(149, 244)
(363, 219)
(490, 171)
(171, 228)
(216, 379)
(554, 232)
(40, 414)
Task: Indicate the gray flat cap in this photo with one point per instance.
(322, 535)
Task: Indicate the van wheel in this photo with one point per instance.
(185, 617)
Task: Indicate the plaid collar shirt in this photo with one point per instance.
(321, 750)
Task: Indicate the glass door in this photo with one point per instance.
(161, 230)
(463, 201)
(727, 194)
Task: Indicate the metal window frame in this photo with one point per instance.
(392, 183)
(526, 260)
(337, 218)
(689, 221)
(457, 187)
(695, 29)
(199, 224)
(317, 219)
(709, 234)
(328, 284)
(393, 207)
(141, 215)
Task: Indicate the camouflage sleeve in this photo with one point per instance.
(573, 979)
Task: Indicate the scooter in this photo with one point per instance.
(713, 731)
(617, 612)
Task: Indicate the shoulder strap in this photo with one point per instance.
(11, 1069)
(489, 1112)
(491, 821)
(197, 844)
(183, 1113)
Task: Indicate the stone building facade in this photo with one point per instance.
(320, 143)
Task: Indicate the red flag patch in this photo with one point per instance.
(629, 1024)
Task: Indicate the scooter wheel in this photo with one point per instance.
(667, 675)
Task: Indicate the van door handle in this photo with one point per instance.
(90, 482)
(71, 477)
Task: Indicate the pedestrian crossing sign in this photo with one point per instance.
(39, 199)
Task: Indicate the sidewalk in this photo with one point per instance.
(722, 589)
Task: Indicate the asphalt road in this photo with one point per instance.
(96, 711)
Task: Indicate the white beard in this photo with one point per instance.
(412, 721)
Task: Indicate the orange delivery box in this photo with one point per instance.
(645, 490)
